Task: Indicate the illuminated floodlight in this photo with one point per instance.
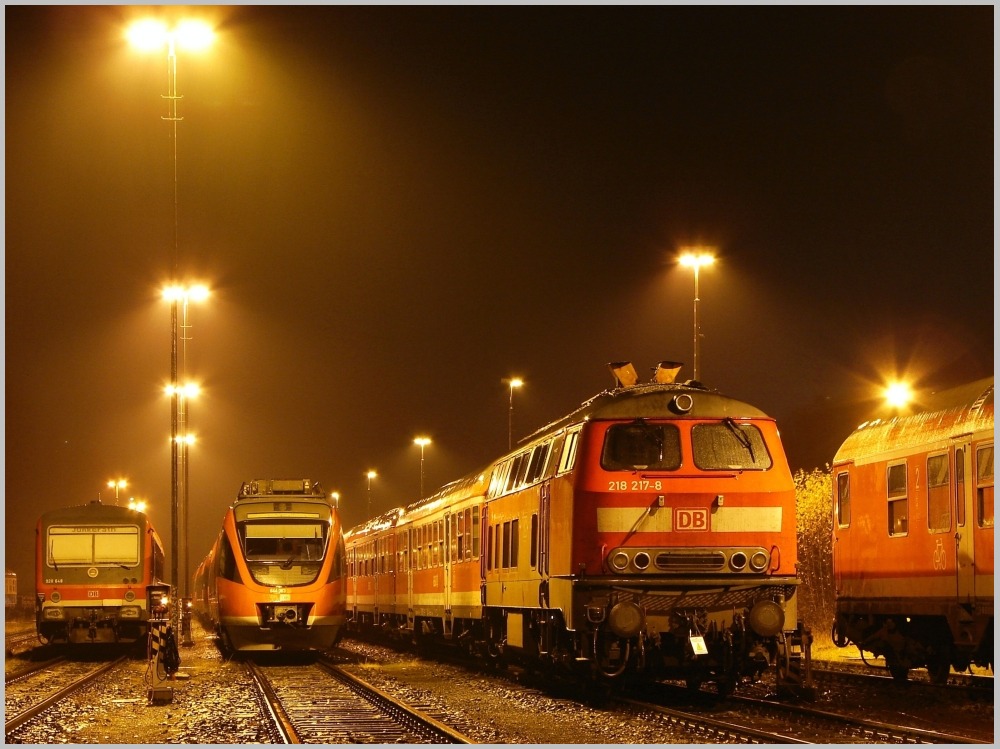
(150, 35)
(898, 394)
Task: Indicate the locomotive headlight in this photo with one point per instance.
(738, 560)
(129, 596)
(758, 562)
(620, 561)
(56, 596)
(641, 560)
(625, 619)
(767, 618)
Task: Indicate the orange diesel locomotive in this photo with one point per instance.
(913, 535)
(651, 532)
(93, 563)
(274, 578)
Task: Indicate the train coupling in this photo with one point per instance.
(794, 668)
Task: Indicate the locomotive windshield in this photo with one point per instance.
(729, 446)
(640, 446)
(97, 546)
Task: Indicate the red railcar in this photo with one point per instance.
(274, 578)
(93, 564)
(651, 532)
(913, 535)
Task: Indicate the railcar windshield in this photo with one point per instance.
(93, 546)
(283, 552)
(729, 446)
(639, 446)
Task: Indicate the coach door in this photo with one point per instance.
(449, 541)
(965, 550)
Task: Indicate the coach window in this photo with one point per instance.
(554, 453)
(489, 548)
(960, 485)
(569, 450)
(460, 537)
(843, 499)
(984, 485)
(896, 495)
(537, 464)
(534, 541)
(506, 546)
(475, 532)
(938, 494)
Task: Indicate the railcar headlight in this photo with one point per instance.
(625, 619)
(767, 618)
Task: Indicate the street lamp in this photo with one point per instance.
(514, 382)
(370, 475)
(335, 498)
(695, 258)
(422, 442)
(139, 505)
(153, 35)
(116, 485)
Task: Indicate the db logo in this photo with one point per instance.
(693, 519)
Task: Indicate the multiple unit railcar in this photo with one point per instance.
(651, 532)
(93, 564)
(913, 535)
(274, 578)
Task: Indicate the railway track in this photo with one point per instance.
(321, 703)
(31, 692)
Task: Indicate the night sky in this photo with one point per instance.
(398, 207)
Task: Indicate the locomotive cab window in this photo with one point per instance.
(639, 445)
(938, 494)
(984, 486)
(729, 446)
(897, 500)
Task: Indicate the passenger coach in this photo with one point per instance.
(913, 535)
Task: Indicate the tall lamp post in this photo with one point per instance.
(422, 442)
(514, 382)
(151, 35)
(370, 475)
(695, 259)
(116, 485)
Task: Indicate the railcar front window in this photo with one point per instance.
(640, 446)
(729, 446)
(77, 546)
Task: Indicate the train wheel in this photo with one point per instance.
(899, 672)
(939, 667)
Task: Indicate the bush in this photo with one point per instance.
(813, 499)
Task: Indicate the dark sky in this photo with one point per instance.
(398, 207)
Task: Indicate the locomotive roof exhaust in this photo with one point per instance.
(665, 372)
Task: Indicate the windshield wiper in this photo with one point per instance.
(740, 435)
